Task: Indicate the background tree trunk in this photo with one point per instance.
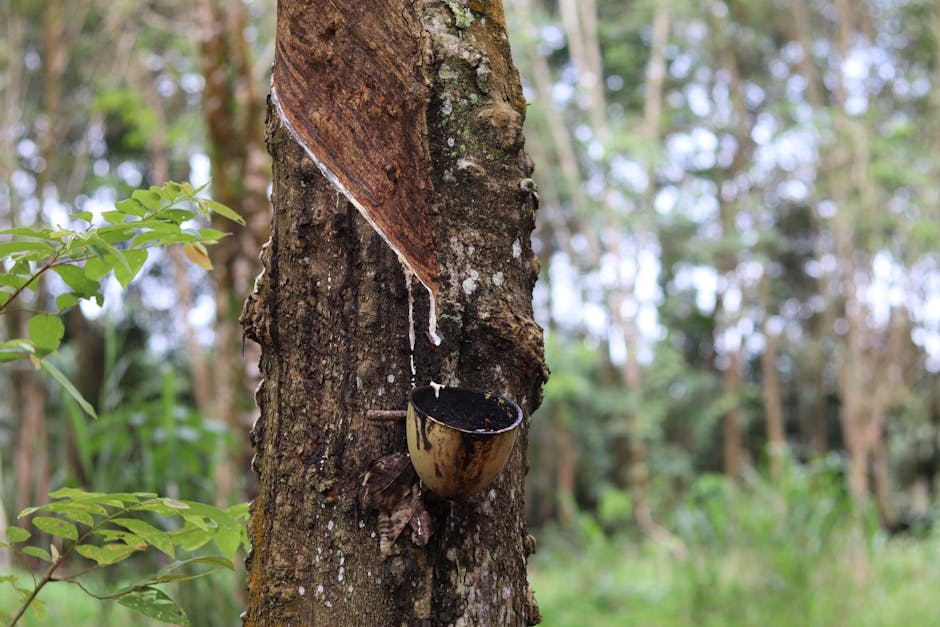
(331, 313)
(233, 116)
(770, 385)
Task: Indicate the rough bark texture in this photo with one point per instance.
(331, 315)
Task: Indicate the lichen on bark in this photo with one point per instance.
(331, 314)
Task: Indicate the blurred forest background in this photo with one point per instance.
(740, 239)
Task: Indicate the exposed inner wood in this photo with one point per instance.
(337, 82)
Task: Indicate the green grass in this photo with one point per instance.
(795, 554)
(621, 584)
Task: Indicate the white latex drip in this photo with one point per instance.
(432, 321)
(411, 325)
(437, 388)
(335, 182)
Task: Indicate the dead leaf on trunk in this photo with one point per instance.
(420, 522)
(388, 481)
(391, 486)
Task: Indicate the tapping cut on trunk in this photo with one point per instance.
(360, 114)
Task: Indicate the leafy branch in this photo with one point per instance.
(114, 519)
(114, 525)
(150, 218)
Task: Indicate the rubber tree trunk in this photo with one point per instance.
(331, 313)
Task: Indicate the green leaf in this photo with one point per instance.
(83, 215)
(177, 216)
(119, 535)
(76, 279)
(26, 231)
(114, 217)
(96, 268)
(155, 604)
(63, 381)
(56, 527)
(228, 541)
(132, 207)
(79, 516)
(109, 251)
(159, 226)
(215, 514)
(79, 512)
(211, 235)
(239, 511)
(91, 505)
(135, 260)
(93, 501)
(12, 354)
(75, 494)
(150, 534)
(182, 238)
(116, 233)
(18, 344)
(107, 554)
(170, 193)
(131, 497)
(165, 575)
(211, 560)
(46, 331)
(15, 281)
(17, 534)
(149, 199)
(35, 551)
(8, 248)
(200, 522)
(64, 301)
(190, 537)
(163, 506)
(155, 230)
(221, 209)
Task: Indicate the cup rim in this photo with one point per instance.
(479, 393)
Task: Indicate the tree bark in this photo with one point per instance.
(770, 386)
(567, 470)
(733, 457)
(733, 452)
(331, 312)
